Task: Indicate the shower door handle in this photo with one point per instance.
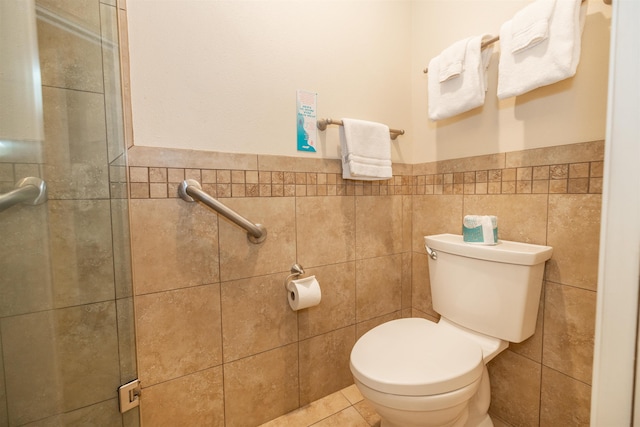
(30, 190)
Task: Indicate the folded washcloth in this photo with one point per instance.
(452, 60)
(463, 91)
(530, 26)
(535, 54)
(366, 150)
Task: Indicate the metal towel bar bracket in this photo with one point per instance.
(191, 191)
(29, 190)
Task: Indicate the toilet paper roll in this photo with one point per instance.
(304, 293)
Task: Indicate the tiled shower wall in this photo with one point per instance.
(217, 341)
(66, 303)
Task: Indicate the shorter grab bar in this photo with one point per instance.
(190, 191)
(29, 190)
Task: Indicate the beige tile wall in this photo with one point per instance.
(211, 307)
(546, 196)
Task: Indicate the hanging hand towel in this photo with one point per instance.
(366, 150)
(463, 91)
(535, 51)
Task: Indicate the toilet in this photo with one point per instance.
(417, 373)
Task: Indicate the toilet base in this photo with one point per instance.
(486, 422)
(470, 413)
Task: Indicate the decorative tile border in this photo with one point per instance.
(160, 182)
(571, 178)
(568, 169)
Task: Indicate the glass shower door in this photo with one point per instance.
(66, 309)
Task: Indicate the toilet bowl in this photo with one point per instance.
(423, 374)
(417, 373)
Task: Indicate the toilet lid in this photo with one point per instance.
(414, 357)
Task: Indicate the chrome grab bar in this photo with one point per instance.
(190, 191)
(29, 190)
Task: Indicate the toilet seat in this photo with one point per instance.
(415, 357)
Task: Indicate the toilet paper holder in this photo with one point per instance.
(296, 271)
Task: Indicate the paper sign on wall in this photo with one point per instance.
(306, 104)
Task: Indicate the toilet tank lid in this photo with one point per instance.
(505, 251)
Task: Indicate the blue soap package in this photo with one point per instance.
(480, 229)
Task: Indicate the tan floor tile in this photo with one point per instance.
(349, 417)
(367, 412)
(352, 394)
(313, 412)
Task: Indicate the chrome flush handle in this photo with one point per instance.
(433, 254)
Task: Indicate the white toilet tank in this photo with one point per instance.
(494, 290)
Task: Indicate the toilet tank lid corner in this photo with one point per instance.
(505, 251)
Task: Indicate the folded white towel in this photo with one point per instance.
(464, 91)
(530, 26)
(452, 60)
(532, 56)
(366, 150)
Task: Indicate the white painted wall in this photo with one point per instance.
(221, 75)
(570, 111)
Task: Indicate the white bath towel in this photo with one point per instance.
(464, 91)
(366, 150)
(531, 57)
